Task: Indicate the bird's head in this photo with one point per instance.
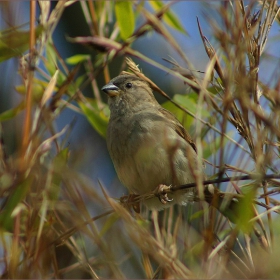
(128, 92)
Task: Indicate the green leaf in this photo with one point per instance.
(11, 113)
(125, 18)
(97, 118)
(38, 88)
(247, 188)
(19, 193)
(188, 102)
(78, 58)
(51, 58)
(169, 17)
(80, 80)
(168, 105)
(59, 164)
(197, 215)
(109, 223)
(243, 211)
(14, 42)
(183, 118)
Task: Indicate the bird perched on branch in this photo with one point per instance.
(149, 147)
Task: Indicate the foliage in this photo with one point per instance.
(233, 116)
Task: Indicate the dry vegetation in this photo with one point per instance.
(47, 228)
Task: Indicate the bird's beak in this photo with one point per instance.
(111, 90)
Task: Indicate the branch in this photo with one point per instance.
(228, 179)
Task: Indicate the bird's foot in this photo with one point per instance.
(161, 193)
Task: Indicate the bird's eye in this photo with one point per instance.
(128, 85)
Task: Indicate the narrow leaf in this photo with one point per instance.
(49, 89)
(6, 219)
(169, 17)
(96, 117)
(11, 113)
(14, 42)
(125, 18)
(78, 58)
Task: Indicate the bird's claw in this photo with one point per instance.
(162, 194)
(164, 198)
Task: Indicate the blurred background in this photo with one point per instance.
(95, 161)
(88, 155)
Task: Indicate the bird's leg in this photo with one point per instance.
(161, 193)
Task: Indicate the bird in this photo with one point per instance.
(148, 145)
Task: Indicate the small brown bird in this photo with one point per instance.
(148, 145)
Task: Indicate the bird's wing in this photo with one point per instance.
(177, 126)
